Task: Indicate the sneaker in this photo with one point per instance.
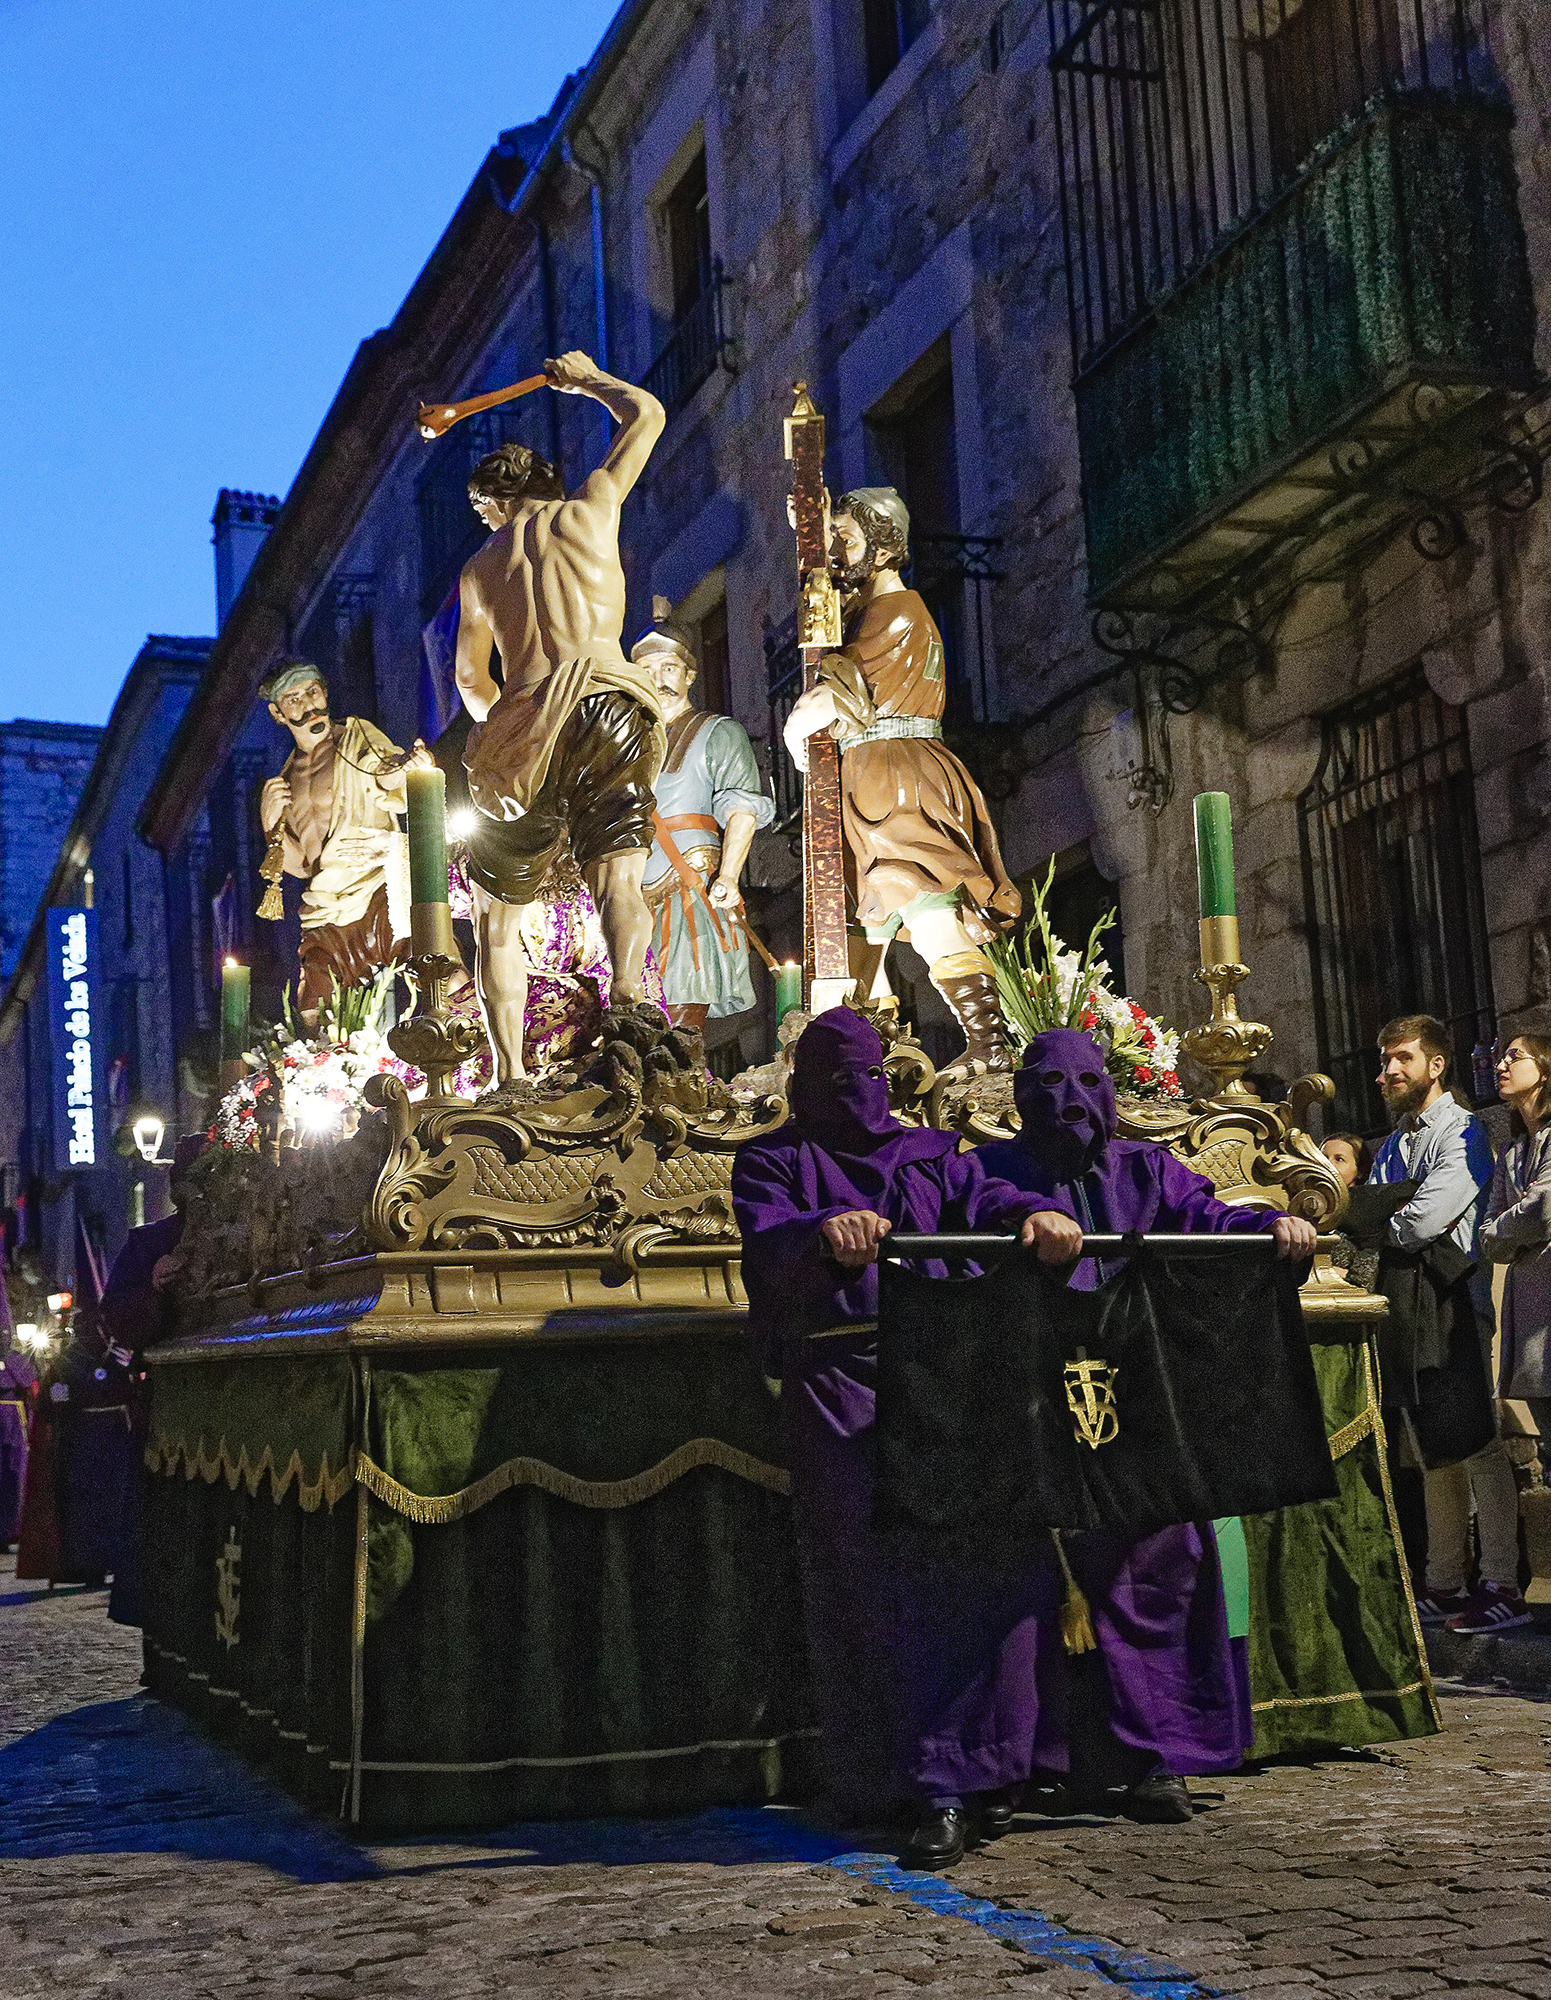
(1492, 1608)
(1436, 1607)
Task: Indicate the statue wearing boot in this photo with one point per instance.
(921, 856)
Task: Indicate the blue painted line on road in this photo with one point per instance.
(1035, 1935)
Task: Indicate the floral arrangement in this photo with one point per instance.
(323, 1085)
(1043, 983)
(323, 1076)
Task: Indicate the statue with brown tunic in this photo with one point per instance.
(566, 750)
(922, 861)
(334, 815)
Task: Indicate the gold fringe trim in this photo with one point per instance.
(1351, 1435)
(163, 1455)
(433, 1509)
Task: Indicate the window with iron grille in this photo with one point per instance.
(1179, 121)
(1392, 887)
(698, 340)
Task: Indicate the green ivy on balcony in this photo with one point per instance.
(1286, 375)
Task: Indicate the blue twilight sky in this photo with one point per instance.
(203, 210)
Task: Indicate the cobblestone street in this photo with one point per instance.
(136, 1860)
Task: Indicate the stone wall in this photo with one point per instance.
(43, 770)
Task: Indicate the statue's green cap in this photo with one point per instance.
(295, 673)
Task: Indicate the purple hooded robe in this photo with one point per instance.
(924, 1681)
(1178, 1688)
(18, 1383)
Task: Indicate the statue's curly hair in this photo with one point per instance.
(882, 516)
(514, 472)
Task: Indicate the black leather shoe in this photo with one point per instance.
(1160, 1800)
(993, 1817)
(1049, 1796)
(938, 1840)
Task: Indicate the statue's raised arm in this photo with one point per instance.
(637, 412)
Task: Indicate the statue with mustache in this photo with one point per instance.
(336, 809)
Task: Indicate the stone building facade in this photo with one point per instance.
(43, 771)
(1206, 362)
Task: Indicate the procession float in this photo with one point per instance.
(467, 1500)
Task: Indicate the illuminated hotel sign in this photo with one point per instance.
(74, 1033)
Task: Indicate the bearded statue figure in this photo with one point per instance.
(922, 861)
(332, 818)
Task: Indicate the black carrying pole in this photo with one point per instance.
(898, 1245)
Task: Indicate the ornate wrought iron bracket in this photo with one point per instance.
(1151, 646)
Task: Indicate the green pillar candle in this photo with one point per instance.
(788, 988)
(236, 982)
(427, 795)
(1214, 855)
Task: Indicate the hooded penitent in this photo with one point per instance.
(842, 1150)
(1066, 1101)
(1067, 1150)
(914, 1681)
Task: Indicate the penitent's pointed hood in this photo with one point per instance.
(1066, 1102)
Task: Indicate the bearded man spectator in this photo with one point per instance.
(1435, 1347)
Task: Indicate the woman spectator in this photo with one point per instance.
(1350, 1156)
(1517, 1229)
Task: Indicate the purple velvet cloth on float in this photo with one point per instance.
(924, 1668)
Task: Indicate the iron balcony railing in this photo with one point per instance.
(1180, 121)
(697, 346)
(954, 574)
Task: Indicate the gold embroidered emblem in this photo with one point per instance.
(228, 1590)
(1090, 1396)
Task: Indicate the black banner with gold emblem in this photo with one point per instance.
(1177, 1391)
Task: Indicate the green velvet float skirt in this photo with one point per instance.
(560, 1583)
(1335, 1649)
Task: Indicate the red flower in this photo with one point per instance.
(1088, 1022)
(1138, 1014)
(1142, 1073)
(260, 1083)
(1149, 1039)
(320, 1058)
(1171, 1079)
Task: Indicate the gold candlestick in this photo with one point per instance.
(429, 1038)
(1226, 1045)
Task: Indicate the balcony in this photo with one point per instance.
(695, 348)
(1301, 314)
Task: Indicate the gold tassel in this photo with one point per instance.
(271, 868)
(1077, 1633)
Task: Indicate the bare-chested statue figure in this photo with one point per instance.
(565, 753)
(336, 806)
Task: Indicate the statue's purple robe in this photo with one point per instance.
(1178, 1687)
(18, 1380)
(922, 1663)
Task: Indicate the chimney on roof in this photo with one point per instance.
(241, 521)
